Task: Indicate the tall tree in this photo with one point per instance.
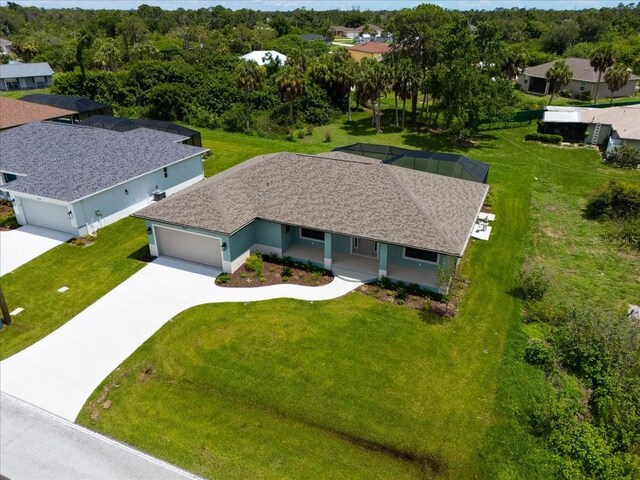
(558, 77)
(601, 60)
(291, 83)
(616, 78)
(371, 84)
(249, 78)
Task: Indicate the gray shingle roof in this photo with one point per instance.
(69, 162)
(17, 70)
(581, 68)
(341, 195)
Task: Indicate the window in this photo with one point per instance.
(166, 172)
(582, 84)
(287, 228)
(310, 234)
(423, 255)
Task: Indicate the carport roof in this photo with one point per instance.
(69, 162)
(346, 194)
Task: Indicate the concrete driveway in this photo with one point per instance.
(36, 444)
(23, 244)
(59, 372)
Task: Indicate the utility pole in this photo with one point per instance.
(6, 316)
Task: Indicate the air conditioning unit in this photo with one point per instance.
(159, 195)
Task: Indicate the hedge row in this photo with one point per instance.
(544, 138)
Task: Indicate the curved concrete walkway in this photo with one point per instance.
(59, 372)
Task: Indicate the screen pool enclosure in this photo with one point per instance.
(121, 124)
(447, 164)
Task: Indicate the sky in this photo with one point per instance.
(272, 5)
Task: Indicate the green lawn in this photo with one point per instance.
(541, 101)
(22, 93)
(89, 272)
(353, 388)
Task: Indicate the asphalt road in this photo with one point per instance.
(37, 445)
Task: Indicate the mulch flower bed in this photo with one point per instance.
(432, 307)
(273, 275)
(82, 241)
(7, 217)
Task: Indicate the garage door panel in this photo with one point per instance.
(188, 246)
(47, 215)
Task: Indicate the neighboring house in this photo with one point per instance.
(24, 76)
(77, 179)
(374, 50)
(585, 79)
(346, 32)
(81, 106)
(265, 57)
(120, 124)
(5, 46)
(344, 212)
(610, 127)
(16, 112)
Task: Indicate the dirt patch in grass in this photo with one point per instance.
(275, 274)
(83, 242)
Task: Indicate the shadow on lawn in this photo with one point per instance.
(142, 255)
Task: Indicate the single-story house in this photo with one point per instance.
(17, 112)
(265, 57)
(121, 124)
(83, 107)
(373, 50)
(610, 127)
(77, 179)
(346, 32)
(5, 46)
(344, 212)
(585, 79)
(23, 76)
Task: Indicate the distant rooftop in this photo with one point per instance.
(625, 119)
(18, 70)
(68, 102)
(371, 47)
(69, 162)
(16, 112)
(263, 57)
(581, 68)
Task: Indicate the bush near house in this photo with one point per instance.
(255, 264)
(625, 156)
(543, 138)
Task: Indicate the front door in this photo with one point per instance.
(368, 248)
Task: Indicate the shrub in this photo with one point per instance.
(625, 156)
(533, 283)
(566, 93)
(223, 278)
(414, 289)
(539, 353)
(400, 301)
(543, 138)
(401, 293)
(287, 271)
(285, 279)
(309, 130)
(255, 264)
(385, 282)
(585, 96)
(544, 311)
(314, 278)
(300, 134)
(615, 201)
(290, 137)
(328, 136)
(234, 119)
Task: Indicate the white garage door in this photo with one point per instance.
(47, 215)
(189, 246)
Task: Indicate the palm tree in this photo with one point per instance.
(616, 78)
(249, 78)
(558, 77)
(601, 60)
(291, 83)
(372, 83)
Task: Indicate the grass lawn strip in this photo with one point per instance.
(89, 272)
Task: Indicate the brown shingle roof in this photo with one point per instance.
(581, 68)
(371, 47)
(17, 112)
(343, 195)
